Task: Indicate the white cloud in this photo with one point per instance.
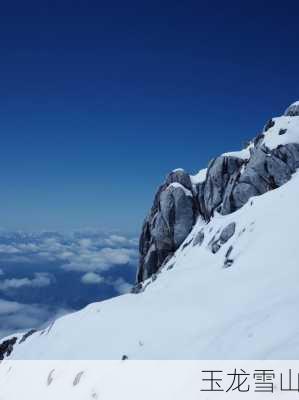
(8, 249)
(9, 307)
(40, 279)
(91, 278)
(16, 317)
(28, 247)
(100, 260)
(77, 252)
(117, 240)
(85, 243)
(121, 286)
(90, 253)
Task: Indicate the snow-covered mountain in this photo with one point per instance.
(218, 271)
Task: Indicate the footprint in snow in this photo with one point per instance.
(50, 377)
(94, 395)
(78, 378)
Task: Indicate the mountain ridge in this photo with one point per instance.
(230, 180)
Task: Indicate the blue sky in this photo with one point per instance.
(100, 100)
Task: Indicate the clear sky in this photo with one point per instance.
(99, 100)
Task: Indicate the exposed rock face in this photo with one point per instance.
(231, 180)
(269, 125)
(6, 347)
(227, 232)
(170, 220)
(220, 172)
(26, 335)
(265, 170)
(199, 238)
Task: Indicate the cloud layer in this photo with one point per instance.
(46, 274)
(21, 317)
(84, 252)
(40, 279)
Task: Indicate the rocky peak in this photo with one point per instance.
(179, 176)
(292, 110)
(268, 161)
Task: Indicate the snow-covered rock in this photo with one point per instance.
(230, 180)
(293, 109)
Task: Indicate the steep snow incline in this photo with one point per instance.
(230, 292)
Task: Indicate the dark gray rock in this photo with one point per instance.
(220, 172)
(230, 249)
(170, 221)
(228, 262)
(289, 154)
(177, 216)
(266, 170)
(26, 335)
(179, 176)
(257, 140)
(170, 267)
(169, 256)
(241, 194)
(282, 131)
(269, 125)
(6, 347)
(227, 232)
(199, 238)
(215, 247)
(279, 172)
(186, 244)
(137, 288)
(149, 262)
(219, 240)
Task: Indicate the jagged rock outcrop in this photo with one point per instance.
(231, 180)
(170, 220)
(6, 347)
(220, 172)
(265, 170)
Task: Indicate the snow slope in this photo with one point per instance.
(228, 292)
(198, 307)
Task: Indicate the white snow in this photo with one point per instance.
(198, 309)
(178, 170)
(243, 154)
(273, 137)
(138, 380)
(200, 177)
(291, 124)
(178, 185)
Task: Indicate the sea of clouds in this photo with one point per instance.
(44, 275)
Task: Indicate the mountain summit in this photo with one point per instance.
(218, 271)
